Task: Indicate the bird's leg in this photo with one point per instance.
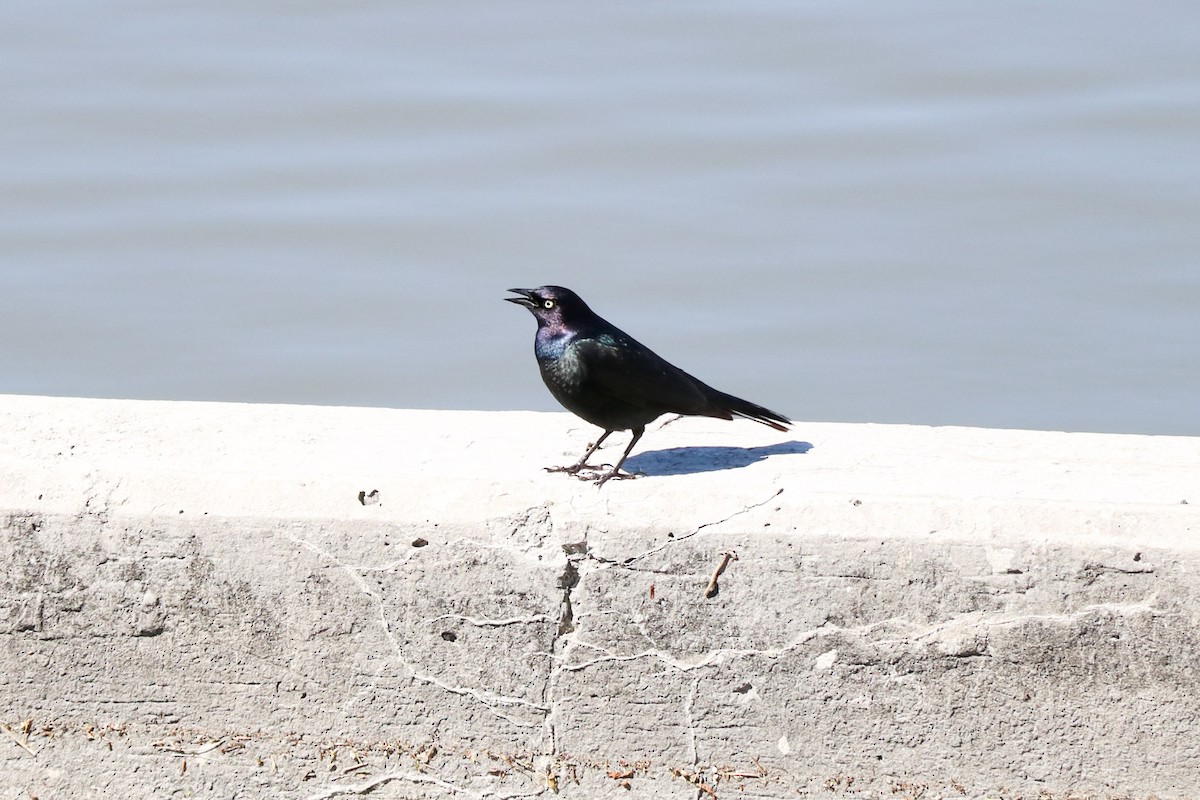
(616, 471)
(581, 463)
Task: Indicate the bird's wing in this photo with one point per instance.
(621, 367)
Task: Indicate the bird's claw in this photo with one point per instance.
(573, 469)
(608, 476)
(591, 472)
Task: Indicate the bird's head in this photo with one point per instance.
(554, 306)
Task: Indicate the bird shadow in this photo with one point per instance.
(689, 460)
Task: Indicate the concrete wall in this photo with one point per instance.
(219, 600)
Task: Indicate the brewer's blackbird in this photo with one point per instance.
(607, 377)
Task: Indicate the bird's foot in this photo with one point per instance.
(573, 469)
(613, 474)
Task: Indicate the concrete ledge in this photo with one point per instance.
(276, 601)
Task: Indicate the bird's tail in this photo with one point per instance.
(736, 406)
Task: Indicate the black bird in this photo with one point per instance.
(604, 375)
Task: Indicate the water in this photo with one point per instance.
(904, 212)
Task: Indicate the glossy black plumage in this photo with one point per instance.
(605, 376)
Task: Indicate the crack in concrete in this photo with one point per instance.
(709, 659)
(676, 540)
(693, 752)
(1091, 572)
(1115, 609)
(411, 777)
(566, 643)
(489, 700)
(494, 623)
(910, 635)
(567, 580)
(419, 778)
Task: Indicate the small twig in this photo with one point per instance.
(192, 751)
(694, 780)
(726, 557)
(17, 741)
(349, 771)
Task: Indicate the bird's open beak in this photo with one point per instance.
(526, 299)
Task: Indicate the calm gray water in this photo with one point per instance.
(983, 214)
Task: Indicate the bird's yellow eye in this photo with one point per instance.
(547, 304)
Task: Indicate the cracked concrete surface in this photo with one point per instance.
(278, 601)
